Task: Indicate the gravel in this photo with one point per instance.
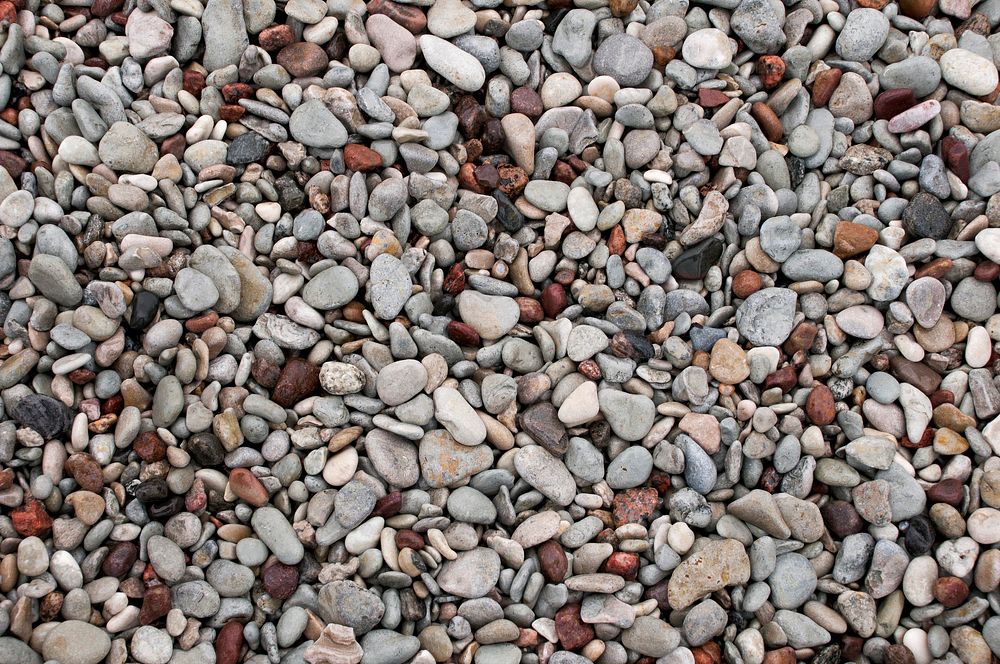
(499, 333)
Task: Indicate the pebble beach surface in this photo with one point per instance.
(499, 332)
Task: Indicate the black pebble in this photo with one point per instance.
(919, 537)
(144, 307)
(45, 415)
(695, 262)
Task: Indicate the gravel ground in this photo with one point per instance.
(499, 333)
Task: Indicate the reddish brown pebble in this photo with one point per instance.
(634, 505)
(409, 539)
(746, 283)
(265, 371)
(552, 560)
(936, 268)
(820, 405)
(454, 281)
(228, 643)
(530, 310)
(824, 85)
(891, 103)
(950, 591)
(622, 7)
(174, 145)
(105, 8)
(120, 559)
(841, 519)
(359, 157)
(31, 519)
(925, 440)
(623, 564)
(86, 471)
(573, 633)
(462, 333)
(487, 176)
(986, 271)
(801, 338)
(659, 593)
(280, 580)
(156, 604)
(201, 323)
(388, 505)
(194, 82)
(951, 491)
(513, 179)
(410, 17)
(247, 487)
(768, 121)
(918, 9)
(233, 92)
(956, 157)
(710, 653)
(231, 112)
(771, 69)
(276, 37)
(471, 116)
(553, 300)
(709, 98)
(467, 177)
(590, 369)
(527, 101)
(303, 59)
(897, 653)
(299, 379)
(785, 378)
(851, 239)
(13, 164)
(149, 446)
(81, 376)
(780, 656)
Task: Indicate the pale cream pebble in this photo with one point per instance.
(680, 537)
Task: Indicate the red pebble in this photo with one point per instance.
(553, 300)
(228, 643)
(196, 498)
(120, 559)
(280, 580)
(785, 378)
(986, 271)
(590, 369)
(956, 157)
(771, 69)
(388, 505)
(454, 281)
(623, 564)
(149, 446)
(359, 157)
(634, 505)
(573, 633)
(156, 603)
(463, 334)
(709, 98)
(552, 560)
(891, 103)
(31, 519)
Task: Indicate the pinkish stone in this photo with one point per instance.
(915, 116)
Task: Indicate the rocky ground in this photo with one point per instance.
(499, 333)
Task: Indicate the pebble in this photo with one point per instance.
(76, 642)
(375, 333)
(968, 71)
